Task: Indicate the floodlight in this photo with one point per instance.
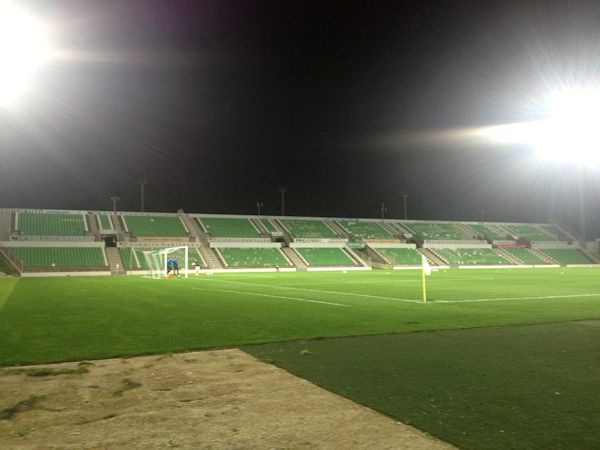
(23, 48)
(570, 131)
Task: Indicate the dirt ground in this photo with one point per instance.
(202, 400)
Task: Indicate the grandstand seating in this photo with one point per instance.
(530, 233)
(365, 230)
(308, 228)
(487, 233)
(129, 262)
(268, 225)
(51, 224)
(72, 258)
(253, 257)
(156, 226)
(105, 223)
(319, 256)
(401, 256)
(471, 256)
(438, 231)
(229, 228)
(525, 255)
(566, 255)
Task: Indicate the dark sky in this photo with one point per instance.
(217, 103)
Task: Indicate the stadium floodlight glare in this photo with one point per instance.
(571, 131)
(23, 48)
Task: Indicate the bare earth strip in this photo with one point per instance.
(202, 400)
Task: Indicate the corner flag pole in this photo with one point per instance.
(425, 271)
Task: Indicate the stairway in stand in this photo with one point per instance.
(114, 261)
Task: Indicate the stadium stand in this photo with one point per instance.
(525, 255)
(566, 255)
(438, 231)
(253, 257)
(268, 225)
(487, 233)
(401, 256)
(320, 256)
(128, 258)
(219, 227)
(105, 222)
(50, 224)
(309, 228)
(530, 232)
(365, 230)
(154, 226)
(471, 256)
(71, 258)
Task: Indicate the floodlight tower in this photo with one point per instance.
(258, 206)
(405, 202)
(143, 182)
(283, 190)
(115, 199)
(383, 210)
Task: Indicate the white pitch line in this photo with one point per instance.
(500, 299)
(275, 296)
(404, 300)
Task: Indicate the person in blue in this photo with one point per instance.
(170, 265)
(175, 266)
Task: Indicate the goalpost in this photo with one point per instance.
(157, 261)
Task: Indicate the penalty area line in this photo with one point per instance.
(298, 299)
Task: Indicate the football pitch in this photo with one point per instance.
(495, 359)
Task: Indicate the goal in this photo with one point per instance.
(156, 261)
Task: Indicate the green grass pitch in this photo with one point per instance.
(483, 376)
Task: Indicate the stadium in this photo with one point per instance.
(195, 316)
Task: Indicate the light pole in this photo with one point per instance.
(143, 182)
(283, 190)
(258, 206)
(114, 199)
(404, 199)
(383, 210)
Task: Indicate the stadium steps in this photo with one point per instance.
(506, 255)
(543, 256)
(339, 230)
(433, 257)
(115, 262)
(392, 230)
(261, 228)
(93, 227)
(211, 258)
(5, 225)
(467, 230)
(8, 264)
(355, 256)
(122, 235)
(374, 255)
(294, 257)
(192, 226)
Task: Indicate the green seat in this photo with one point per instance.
(526, 256)
(365, 230)
(253, 257)
(438, 231)
(229, 228)
(472, 256)
(308, 229)
(320, 256)
(71, 258)
(567, 255)
(155, 226)
(401, 256)
(51, 224)
(530, 232)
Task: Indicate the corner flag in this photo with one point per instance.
(425, 272)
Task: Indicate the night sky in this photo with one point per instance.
(217, 103)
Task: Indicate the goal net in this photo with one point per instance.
(167, 261)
